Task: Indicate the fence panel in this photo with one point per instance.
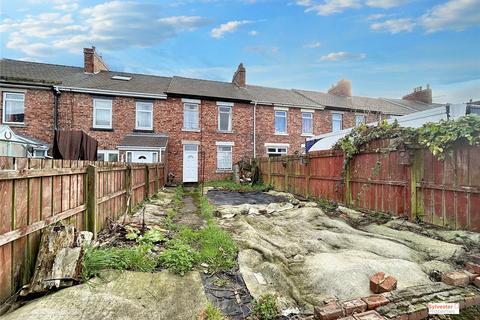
(411, 183)
(36, 193)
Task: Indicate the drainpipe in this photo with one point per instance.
(56, 95)
(255, 129)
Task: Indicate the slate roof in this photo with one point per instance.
(144, 140)
(51, 74)
(207, 88)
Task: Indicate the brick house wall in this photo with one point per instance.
(38, 122)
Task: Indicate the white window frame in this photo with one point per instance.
(4, 106)
(341, 121)
(223, 145)
(107, 153)
(285, 112)
(230, 116)
(35, 153)
(95, 108)
(357, 116)
(137, 111)
(197, 106)
(310, 113)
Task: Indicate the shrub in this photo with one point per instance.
(265, 308)
(178, 257)
(135, 259)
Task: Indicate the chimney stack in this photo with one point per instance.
(239, 77)
(343, 88)
(92, 61)
(420, 94)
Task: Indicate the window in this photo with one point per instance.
(474, 110)
(190, 116)
(13, 107)
(307, 123)
(224, 118)
(107, 155)
(337, 122)
(129, 156)
(37, 153)
(359, 119)
(144, 115)
(281, 122)
(276, 151)
(224, 158)
(102, 113)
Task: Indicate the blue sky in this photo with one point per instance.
(386, 47)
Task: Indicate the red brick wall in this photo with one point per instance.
(38, 114)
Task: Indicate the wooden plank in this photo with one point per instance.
(6, 194)
(18, 233)
(36, 173)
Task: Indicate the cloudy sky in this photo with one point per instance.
(386, 47)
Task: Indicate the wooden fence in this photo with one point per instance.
(409, 182)
(36, 193)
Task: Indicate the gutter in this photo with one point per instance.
(56, 95)
(113, 92)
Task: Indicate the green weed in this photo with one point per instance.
(178, 257)
(218, 249)
(135, 259)
(233, 186)
(211, 313)
(265, 307)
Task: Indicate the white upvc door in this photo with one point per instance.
(190, 163)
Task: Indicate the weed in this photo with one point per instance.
(206, 208)
(178, 197)
(169, 220)
(233, 186)
(153, 235)
(135, 259)
(327, 205)
(178, 257)
(265, 307)
(217, 248)
(211, 313)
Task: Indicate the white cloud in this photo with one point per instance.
(329, 7)
(394, 25)
(452, 15)
(343, 56)
(253, 33)
(110, 25)
(230, 26)
(64, 5)
(313, 45)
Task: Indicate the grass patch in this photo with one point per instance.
(169, 219)
(233, 186)
(178, 197)
(206, 208)
(217, 248)
(265, 307)
(211, 313)
(135, 259)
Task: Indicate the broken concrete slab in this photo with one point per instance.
(122, 295)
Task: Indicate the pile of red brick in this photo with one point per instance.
(471, 274)
(355, 309)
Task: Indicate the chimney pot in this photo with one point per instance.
(420, 94)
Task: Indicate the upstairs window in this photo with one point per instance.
(102, 113)
(281, 122)
(190, 116)
(144, 115)
(359, 119)
(224, 158)
(337, 122)
(224, 118)
(13, 107)
(307, 123)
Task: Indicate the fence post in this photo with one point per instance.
(147, 182)
(346, 181)
(92, 195)
(156, 184)
(286, 175)
(128, 187)
(307, 176)
(269, 171)
(415, 175)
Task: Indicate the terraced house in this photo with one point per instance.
(200, 127)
